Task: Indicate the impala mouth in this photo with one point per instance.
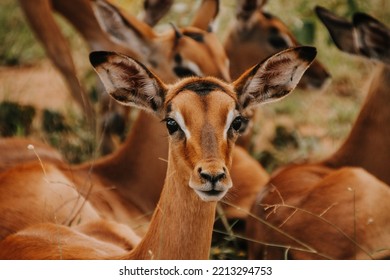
(212, 192)
(211, 195)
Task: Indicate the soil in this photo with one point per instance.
(39, 85)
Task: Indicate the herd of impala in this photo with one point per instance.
(157, 195)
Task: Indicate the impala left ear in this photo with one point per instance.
(274, 78)
(129, 82)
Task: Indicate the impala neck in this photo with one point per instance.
(367, 145)
(181, 226)
(138, 167)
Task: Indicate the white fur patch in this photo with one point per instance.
(180, 120)
(228, 123)
(193, 67)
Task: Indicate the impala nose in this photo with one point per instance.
(213, 178)
(210, 180)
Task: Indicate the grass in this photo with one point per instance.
(306, 125)
(18, 46)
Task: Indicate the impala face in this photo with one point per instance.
(202, 115)
(256, 35)
(176, 53)
(203, 121)
(209, 59)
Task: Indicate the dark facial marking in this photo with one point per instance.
(268, 15)
(202, 87)
(178, 59)
(183, 72)
(195, 36)
(277, 42)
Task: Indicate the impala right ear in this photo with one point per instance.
(274, 78)
(129, 82)
(341, 30)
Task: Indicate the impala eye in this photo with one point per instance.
(172, 125)
(237, 123)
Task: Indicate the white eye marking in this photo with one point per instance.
(288, 40)
(229, 120)
(193, 67)
(180, 120)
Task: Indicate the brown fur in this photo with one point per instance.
(322, 214)
(338, 208)
(160, 49)
(181, 226)
(368, 142)
(246, 42)
(15, 150)
(146, 148)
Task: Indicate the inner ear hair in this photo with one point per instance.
(274, 78)
(129, 82)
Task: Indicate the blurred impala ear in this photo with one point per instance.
(274, 78)
(129, 82)
(341, 30)
(154, 10)
(123, 29)
(373, 37)
(246, 8)
(206, 15)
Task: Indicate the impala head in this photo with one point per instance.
(256, 34)
(363, 36)
(179, 52)
(202, 115)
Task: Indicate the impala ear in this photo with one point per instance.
(122, 28)
(373, 37)
(129, 82)
(245, 8)
(341, 30)
(261, 4)
(274, 78)
(154, 10)
(206, 15)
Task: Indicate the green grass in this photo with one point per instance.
(18, 44)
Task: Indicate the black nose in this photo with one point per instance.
(212, 178)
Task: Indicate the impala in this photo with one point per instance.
(104, 26)
(126, 195)
(338, 208)
(255, 35)
(203, 119)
